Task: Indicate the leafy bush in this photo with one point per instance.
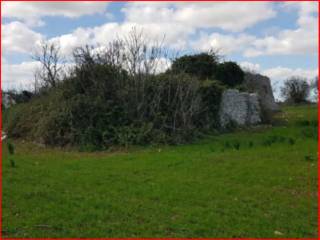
(230, 74)
(291, 141)
(211, 93)
(11, 151)
(236, 145)
(203, 65)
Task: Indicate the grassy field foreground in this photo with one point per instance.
(257, 183)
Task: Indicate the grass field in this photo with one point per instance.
(257, 183)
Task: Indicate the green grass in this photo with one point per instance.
(257, 183)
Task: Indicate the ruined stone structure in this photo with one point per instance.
(248, 108)
(239, 108)
(256, 83)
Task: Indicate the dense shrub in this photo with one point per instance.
(230, 74)
(211, 92)
(203, 65)
(206, 66)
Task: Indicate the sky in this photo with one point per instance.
(278, 40)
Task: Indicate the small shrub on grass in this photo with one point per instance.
(281, 139)
(303, 123)
(11, 151)
(309, 158)
(273, 139)
(11, 148)
(314, 123)
(291, 141)
(236, 145)
(309, 133)
(267, 142)
(227, 145)
(250, 144)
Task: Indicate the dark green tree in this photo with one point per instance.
(201, 65)
(230, 74)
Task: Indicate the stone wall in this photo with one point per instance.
(240, 108)
(261, 85)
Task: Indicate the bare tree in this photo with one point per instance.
(50, 59)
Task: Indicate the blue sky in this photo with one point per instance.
(276, 39)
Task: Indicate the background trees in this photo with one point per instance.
(50, 71)
(296, 90)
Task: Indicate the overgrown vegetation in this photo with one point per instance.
(116, 97)
(208, 66)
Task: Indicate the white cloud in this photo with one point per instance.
(227, 16)
(18, 76)
(283, 73)
(225, 44)
(163, 64)
(67, 42)
(302, 40)
(102, 35)
(248, 66)
(21, 76)
(17, 37)
(178, 22)
(32, 12)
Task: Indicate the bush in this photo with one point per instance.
(203, 65)
(230, 74)
(211, 93)
(11, 151)
(296, 90)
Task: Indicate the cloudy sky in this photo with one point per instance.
(276, 39)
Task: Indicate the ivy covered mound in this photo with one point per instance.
(101, 103)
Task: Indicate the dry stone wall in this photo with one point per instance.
(262, 86)
(239, 108)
